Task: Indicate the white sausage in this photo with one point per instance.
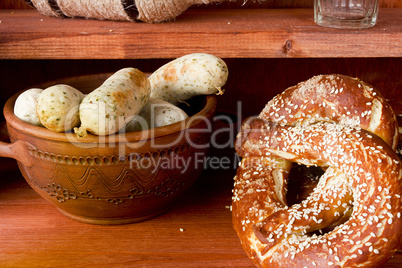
(156, 113)
(25, 106)
(57, 107)
(189, 76)
(111, 106)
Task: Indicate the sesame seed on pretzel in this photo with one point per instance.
(352, 217)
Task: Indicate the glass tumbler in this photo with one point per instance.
(346, 14)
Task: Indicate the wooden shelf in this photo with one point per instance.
(35, 234)
(228, 33)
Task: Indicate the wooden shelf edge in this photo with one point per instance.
(228, 33)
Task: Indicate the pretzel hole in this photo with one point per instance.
(302, 181)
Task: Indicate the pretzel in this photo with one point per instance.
(352, 217)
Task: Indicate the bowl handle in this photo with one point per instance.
(17, 150)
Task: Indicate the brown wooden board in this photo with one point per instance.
(227, 33)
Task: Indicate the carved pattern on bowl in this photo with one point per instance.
(160, 182)
(112, 159)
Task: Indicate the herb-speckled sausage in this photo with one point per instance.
(156, 113)
(57, 107)
(25, 106)
(189, 76)
(111, 106)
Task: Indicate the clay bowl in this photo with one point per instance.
(115, 179)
